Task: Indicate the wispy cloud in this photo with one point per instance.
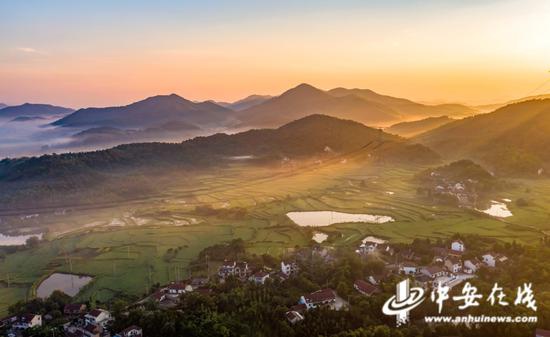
(29, 50)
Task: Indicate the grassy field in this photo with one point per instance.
(125, 246)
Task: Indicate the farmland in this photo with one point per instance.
(127, 247)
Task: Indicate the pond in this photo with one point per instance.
(327, 218)
(319, 237)
(498, 209)
(70, 284)
(16, 240)
(374, 239)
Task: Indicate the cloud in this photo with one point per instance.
(28, 50)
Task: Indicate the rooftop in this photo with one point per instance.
(95, 312)
(366, 287)
(321, 296)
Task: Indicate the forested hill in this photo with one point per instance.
(513, 140)
(309, 136)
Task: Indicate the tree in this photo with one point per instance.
(33, 241)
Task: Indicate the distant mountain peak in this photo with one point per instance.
(303, 89)
(32, 109)
(305, 86)
(150, 112)
(165, 98)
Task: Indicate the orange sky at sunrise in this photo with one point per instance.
(469, 52)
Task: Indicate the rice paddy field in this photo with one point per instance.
(125, 247)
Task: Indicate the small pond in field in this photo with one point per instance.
(498, 209)
(319, 237)
(374, 239)
(70, 284)
(327, 218)
(16, 240)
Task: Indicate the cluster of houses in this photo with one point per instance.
(242, 271)
(463, 191)
(82, 323)
(86, 324)
(448, 266)
(168, 295)
(324, 297)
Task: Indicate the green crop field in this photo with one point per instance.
(125, 246)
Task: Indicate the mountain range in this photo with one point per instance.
(33, 110)
(361, 105)
(407, 108)
(305, 100)
(151, 112)
(2, 105)
(512, 140)
(410, 129)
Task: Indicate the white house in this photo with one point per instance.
(367, 248)
(374, 279)
(409, 268)
(27, 321)
(492, 259)
(259, 277)
(458, 246)
(98, 317)
(453, 264)
(323, 297)
(471, 266)
(233, 268)
(178, 288)
(289, 268)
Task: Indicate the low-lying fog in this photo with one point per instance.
(31, 137)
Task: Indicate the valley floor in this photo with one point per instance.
(126, 247)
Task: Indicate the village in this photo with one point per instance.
(448, 265)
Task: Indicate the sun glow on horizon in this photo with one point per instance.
(82, 55)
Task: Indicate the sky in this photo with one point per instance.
(103, 52)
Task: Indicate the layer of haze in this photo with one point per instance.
(100, 53)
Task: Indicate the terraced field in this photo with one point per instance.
(125, 246)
